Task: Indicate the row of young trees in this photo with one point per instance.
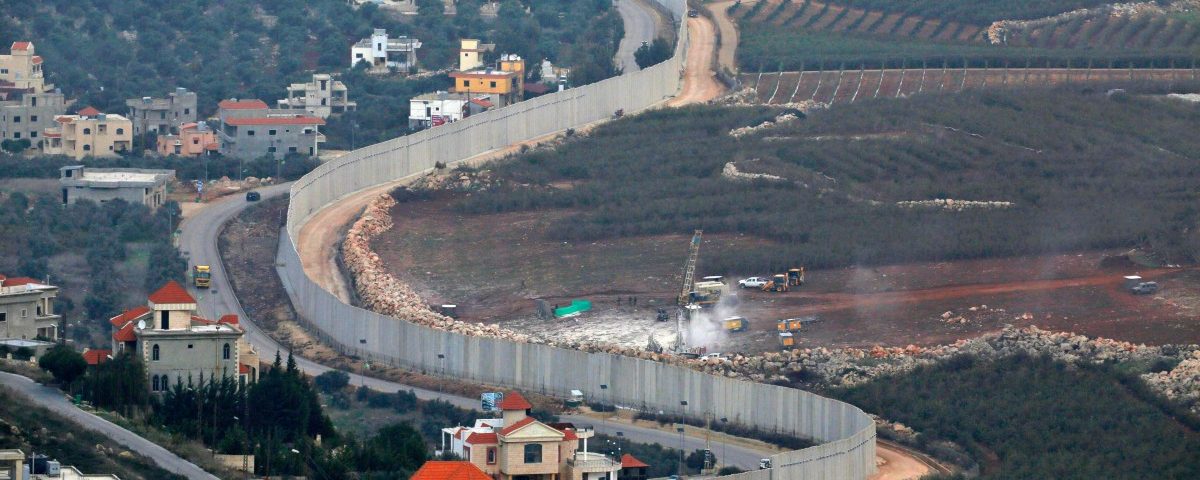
(1081, 171)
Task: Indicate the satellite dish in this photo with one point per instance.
(141, 324)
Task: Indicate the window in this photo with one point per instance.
(291, 149)
(87, 131)
(39, 310)
(154, 384)
(249, 133)
(16, 119)
(466, 83)
(225, 352)
(16, 134)
(120, 131)
(166, 384)
(154, 353)
(195, 141)
(32, 134)
(533, 453)
(493, 84)
(162, 115)
(466, 453)
(24, 312)
(33, 118)
(189, 345)
(491, 455)
(272, 132)
(163, 321)
(87, 148)
(271, 149)
(4, 71)
(3, 316)
(187, 111)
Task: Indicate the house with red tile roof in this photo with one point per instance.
(518, 445)
(89, 133)
(27, 309)
(178, 345)
(449, 470)
(28, 105)
(250, 129)
(632, 468)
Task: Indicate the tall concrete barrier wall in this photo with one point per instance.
(845, 433)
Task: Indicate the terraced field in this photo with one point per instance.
(812, 15)
(847, 86)
(1146, 32)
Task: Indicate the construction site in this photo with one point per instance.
(651, 292)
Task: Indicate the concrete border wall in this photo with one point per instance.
(847, 435)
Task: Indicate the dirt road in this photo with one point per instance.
(699, 81)
(726, 56)
(897, 463)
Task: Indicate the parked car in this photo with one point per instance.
(253, 196)
(693, 13)
(753, 282)
(764, 464)
(1144, 288)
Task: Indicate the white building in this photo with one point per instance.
(27, 309)
(382, 53)
(14, 465)
(134, 185)
(321, 97)
(433, 109)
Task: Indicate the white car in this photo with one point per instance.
(752, 282)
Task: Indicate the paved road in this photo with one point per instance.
(52, 399)
(640, 26)
(199, 240)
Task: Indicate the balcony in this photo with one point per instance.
(592, 462)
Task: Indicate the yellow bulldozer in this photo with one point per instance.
(795, 277)
(778, 283)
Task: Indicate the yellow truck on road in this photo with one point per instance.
(201, 276)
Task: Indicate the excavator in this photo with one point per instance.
(778, 283)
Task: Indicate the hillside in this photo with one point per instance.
(105, 52)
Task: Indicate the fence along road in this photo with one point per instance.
(845, 433)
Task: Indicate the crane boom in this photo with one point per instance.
(689, 268)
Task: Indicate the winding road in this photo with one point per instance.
(641, 25)
(53, 399)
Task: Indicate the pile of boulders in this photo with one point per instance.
(1181, 383)
(954, 205)
(731, 172)
(779, 120)
(998, 33)
(456, 180)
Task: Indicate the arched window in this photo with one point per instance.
(533, 453)
(154, 353)
(154, 384)
(225, 354)
(87, 131)
(166, 384)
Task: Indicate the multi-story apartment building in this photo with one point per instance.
(28, 105)
(193, 140)
(134, 185)
(27, 309)
(506, 83)
(179, 346)
(518, 447)
(470, 53)
(89, 133)
(249, 129)
(321, 97)
(382, 53)
(162, 115)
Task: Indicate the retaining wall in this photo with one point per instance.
(847, 435)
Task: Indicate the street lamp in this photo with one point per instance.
(724, 441)
(679, 428)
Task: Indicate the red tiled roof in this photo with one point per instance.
(131, 314)
(15, 281)
(201, 320)
(228, 318)
(538, 88)
(243, 369)
(52, 135)
(296, 120)
(21, 46)
(517, 426)
(172, 292)
(96, 357)
(482, 439)
(252, 104)
(88, 111)
(481, 102)
(449, 470)
(37, 59)
(629, 461)
(125, 334)
(514, 401)
(569, 435)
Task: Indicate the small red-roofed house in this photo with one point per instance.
(449, 470)
(632, 468)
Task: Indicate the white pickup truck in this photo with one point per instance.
(753, 282)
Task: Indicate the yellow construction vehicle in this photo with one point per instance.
(795, 277)
(201, 276)
(778, 283)
(706, 294)
(736, 324)
(787, 340)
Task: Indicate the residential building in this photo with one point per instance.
(179, 346)
(470, 53)
(518, 447)
(14, 465)
(193, 140)
(632, 468)
(321, 97)
(433, 109)
(96, 356)
(162, 115)
(554, 75)
(506, 82)
(449, 470)
(28, 105)
(382, 53)
(27, 309)
(249, 129)
(89, 133)
(134, 185)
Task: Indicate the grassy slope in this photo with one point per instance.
(1040, 419)
(981, 12)
(1084, 171)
